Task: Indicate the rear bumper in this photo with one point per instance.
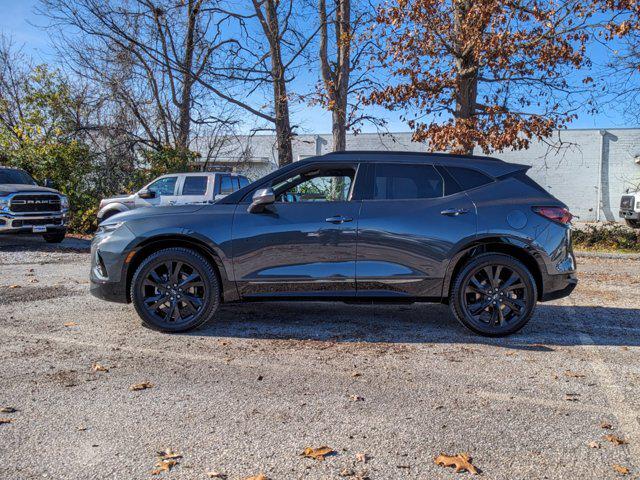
(629, 215)
(558, 286)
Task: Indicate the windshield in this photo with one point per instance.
(9, 175)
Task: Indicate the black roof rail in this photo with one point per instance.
(413, 153)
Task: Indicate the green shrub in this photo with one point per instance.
(611, 236)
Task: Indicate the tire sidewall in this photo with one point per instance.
(196, 261)
(481, 261)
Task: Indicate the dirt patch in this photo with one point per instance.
(31, 294)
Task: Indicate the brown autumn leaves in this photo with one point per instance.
(493, 73)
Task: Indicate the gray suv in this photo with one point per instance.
(473, 232)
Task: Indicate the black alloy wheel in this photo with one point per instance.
(494, 295)
(175, 290)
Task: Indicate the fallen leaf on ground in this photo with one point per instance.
(571, 397)
(96, 367)
(34, 280)
(81, 428)
(317, 453)
(260, 476)
(70, 324)
(168, 454)
(620, 469)
(15, 286)
(615, 440)
(569, 373)
(347, 472)
(8, 410)
(362, 457)
(461, 462)
(5, 420)
(606, 426)
(163, 466)
(141, 386)
(216, 475)
(356, 398)
(356, 374)
(594, 445)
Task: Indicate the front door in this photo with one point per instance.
(410, 225)
(303, 245)
(165, 189)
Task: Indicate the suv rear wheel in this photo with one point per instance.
(175, 289)
(494, 295)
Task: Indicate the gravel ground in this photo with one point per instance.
(247, 393)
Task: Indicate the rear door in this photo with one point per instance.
(195, 189)
(411, 223)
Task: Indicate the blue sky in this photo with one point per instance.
(19, 21)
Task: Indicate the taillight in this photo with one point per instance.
(557, 214)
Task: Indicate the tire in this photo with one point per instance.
(56, 237)
(633, 223)
(182, 309)
(474, 295)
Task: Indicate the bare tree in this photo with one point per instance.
(148, 56)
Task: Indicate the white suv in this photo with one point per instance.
(175, 189)
(630, 208)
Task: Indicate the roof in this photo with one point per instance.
(493, 167)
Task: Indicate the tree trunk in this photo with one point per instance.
(280, 99)
(466, 81)
(336, 80)
(184, 123)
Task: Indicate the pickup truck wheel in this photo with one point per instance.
(175, 290)
(54, 237)
(494, 295)
(633, 223)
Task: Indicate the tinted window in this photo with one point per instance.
(164, 186)
(468, 178)
(16, 177)
(244, 181)
(397, 182)
(194, 186)
(226, 186)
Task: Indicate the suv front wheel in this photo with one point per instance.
(175, 289)
(494, 295)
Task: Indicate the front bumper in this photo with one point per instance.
(629, 215)
(108, 274)
(16, 223)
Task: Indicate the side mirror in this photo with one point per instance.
(49, 183)
(261, 198)
(627, 190)
(146, 194)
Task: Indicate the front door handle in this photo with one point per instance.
(338, 219)
(454, 212)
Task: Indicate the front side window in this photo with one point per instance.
(319, 185)
(194, 185)
(404, 182)
(164, 186)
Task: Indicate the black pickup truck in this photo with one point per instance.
(26, 207)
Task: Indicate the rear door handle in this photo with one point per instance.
(338, 219)
(454, 212)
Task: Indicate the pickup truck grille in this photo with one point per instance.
(36, 221)
(627, 202)
(35, 203)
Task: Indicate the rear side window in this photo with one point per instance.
(468, 178)
(244, 181)
(403, 182)
(194, 186)
(226, 186)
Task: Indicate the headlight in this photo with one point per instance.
(64, 202)
(108, 228)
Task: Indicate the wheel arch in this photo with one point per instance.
(514, 247)
(151, 245)
(111, 209)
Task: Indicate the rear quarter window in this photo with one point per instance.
(468, 178)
